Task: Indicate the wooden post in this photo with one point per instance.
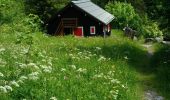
(104, 35)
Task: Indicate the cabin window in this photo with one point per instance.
(92, 30)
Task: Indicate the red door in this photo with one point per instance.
(78, 31)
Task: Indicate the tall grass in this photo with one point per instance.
(69, 68)
(64, 67)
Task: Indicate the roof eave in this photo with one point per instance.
(106, 23)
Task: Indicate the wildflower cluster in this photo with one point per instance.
(83, 72)
(22, 72)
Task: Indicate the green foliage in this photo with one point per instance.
(44, 8)
(70, 68)
(151, 30)
(126, 15)
(42, 67)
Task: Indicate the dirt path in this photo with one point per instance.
(151, 94)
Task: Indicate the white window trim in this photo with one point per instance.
(94, 30)
(82, 30)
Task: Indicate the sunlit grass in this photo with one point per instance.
(60, 68)
(69, 68)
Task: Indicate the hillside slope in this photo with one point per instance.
(36, 66)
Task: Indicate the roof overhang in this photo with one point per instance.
(94, 10)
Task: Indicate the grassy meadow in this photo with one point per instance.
(36, 66)
(69, 68)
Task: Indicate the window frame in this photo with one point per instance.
(92, 33)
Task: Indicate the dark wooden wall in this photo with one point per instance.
(84, 20)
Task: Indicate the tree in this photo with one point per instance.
(125, 15)
(44, 8)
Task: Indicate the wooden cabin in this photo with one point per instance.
(81, 18)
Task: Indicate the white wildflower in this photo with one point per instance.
(98, 48)
(115, 97)
(22, 65)
(34, 73)
(53, 98)
(14, 83)
(74, 57)
(43, 60)
(89, 52)
(43, 66)
(76, 49)
(20, 81)
(90, 55)
(117, 91)
(48, 69)
(87, 58)
(33, 65)
(112, 92)
(73, 66)
(80, 53)
(8, 87)
(2, 63)
(126, 58)
(33, 76)
(40, 54)
(123, 86)
(82, 70)
(2, 49)
(102, 58)
(115, 81)
(63, 69)
(3, 89)
(70, 55)
(1, 74)
(99, 75)
(50, 63)
(23, 78)
(24, 51)
(94, 54)
(44, 52)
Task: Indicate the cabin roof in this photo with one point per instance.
(94, 10)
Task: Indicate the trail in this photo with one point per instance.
(150, 93)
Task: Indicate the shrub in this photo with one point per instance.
(125, 15)
(151, 30)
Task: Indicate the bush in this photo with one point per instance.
(151, 30)
(126, 15)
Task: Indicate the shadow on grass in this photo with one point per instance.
(161, 60)
(158, 65)
(133, 54)
(137, 58)
(6, 19)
